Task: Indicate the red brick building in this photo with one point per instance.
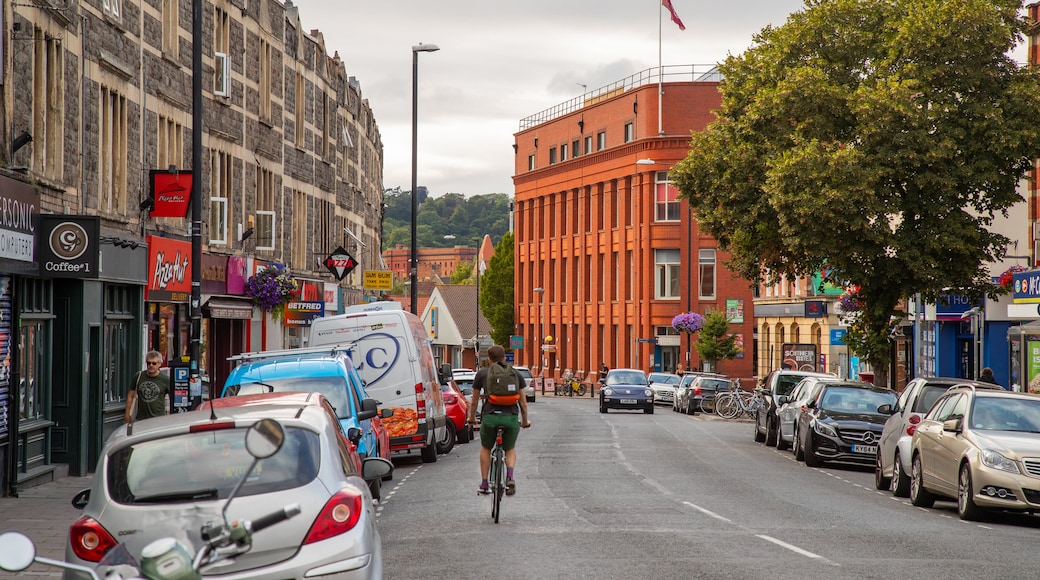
(598, 228)
(432, 261)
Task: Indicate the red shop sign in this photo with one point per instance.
(169, 270)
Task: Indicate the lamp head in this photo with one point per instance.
(425, 48)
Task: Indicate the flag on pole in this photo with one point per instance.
(675, 17)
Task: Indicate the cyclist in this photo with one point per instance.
(494, 415)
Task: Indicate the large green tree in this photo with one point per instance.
(874, 140)
(496, 291)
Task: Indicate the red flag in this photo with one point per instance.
(675, 17)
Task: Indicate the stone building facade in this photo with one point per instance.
(97, 95)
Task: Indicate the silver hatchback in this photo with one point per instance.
(170, 476)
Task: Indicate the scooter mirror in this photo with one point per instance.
(265, 438)
(17, 551)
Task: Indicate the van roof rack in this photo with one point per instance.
(266, 354)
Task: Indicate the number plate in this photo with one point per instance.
(865, 449)
(628, 401)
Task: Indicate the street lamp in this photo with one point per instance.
(541, 333)
(415, 199)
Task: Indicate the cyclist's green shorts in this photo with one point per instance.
(489, 421)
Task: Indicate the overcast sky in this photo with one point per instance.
(503, 60)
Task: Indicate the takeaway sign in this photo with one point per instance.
(1026, 286)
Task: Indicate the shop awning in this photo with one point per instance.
(228, 308)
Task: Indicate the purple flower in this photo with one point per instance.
(688, 322)
(271, 288)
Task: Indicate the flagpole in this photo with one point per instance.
(660, 73)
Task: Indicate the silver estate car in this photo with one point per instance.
(169, 476)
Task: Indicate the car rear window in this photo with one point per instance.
(334, 389)
(786, 383)
(524, 373)
(929, 395)
(714, 384)
(195, 466)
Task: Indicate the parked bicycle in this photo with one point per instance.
(569, 386)
(732, 404)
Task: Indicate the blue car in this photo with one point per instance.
(324, 371)
(626, 389)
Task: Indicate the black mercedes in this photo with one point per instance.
(843, 423)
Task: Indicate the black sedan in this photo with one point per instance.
(626, 389)
(843, 424)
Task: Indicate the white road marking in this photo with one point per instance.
(708, 512)
(796, 549)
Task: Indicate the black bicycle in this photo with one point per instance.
(497, 476)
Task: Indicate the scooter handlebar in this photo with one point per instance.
(273, 518)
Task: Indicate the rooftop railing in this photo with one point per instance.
(650, 76)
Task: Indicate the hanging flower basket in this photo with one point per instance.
(271, 289)
(688, 322)
(1007, 278)
(850, 301)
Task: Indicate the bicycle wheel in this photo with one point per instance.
(706, 407)
(727, 406)
(498, 487)
(582, 389)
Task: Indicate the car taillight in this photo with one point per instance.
(89, 539)
(420, 402)
(449, 399)
(215, 426)
(910, 429)
(697, 391)
(340, 515)
(915, 418)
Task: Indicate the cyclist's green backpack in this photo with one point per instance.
(502, 387)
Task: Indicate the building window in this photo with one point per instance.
(120, 306)
(171, 27)
(33, 346)
(265, 80)
(325, 232)
(706, 272)
(530, 162)
(113, 8)
(563, 152)
(301, 109)
(169, 143)
(300, 227)
(601, 141)
(666, 203)
(629, 133)
(588, 144)
(552, 156)
(265, 214)
(221, 30)
(220, 190)
(326, 125)
(666, 282)
(48, 106)
(113, 152)
(575, 148)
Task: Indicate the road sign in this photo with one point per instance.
(510, 357)
(516, 341)
(379, 280)
(647, 340)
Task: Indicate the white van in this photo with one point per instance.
(391, 351)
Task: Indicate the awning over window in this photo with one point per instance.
(228, 308)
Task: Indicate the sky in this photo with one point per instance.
(503, 60)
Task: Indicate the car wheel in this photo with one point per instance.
(966, 507)
(880, 481)
(649, 410)
(900, 479)
(811, 459)
(464, 435)
(780, 443)
(530, 399)
(429, 453)
(771, 432)
(919, 496)
(799, 453)
(602, 408)
(690, 409)
(445, 445)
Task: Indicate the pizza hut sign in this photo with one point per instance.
(169, 267)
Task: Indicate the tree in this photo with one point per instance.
(463, 274)
(873, 140)
(715, 342)
(496, 291)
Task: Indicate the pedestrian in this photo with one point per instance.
(603, 370)
(680, 370)
(146, 397)
(986, 376)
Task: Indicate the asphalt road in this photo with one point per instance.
(627, 495)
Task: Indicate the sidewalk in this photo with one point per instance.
(44, 513)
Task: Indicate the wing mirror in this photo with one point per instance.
(375, 468)
(80, 500)
(354, 435)
(445, 373)
(886, 409)
(369, 409)
(386, 413)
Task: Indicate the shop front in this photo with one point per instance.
(227, 316)
(167, 297)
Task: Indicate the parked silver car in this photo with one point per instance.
(169, 476)
(528, 383)
(791, 408)
(663, 385)
(892, 468)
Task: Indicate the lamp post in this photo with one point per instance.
(414, 273)
(541, 333)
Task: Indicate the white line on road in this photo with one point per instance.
(708, 512)
(796, 549)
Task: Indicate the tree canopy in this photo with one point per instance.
(872, 140)
(496, 291)
(468, 219)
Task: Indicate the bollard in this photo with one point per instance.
(543, 385)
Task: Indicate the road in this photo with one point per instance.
(627, 495)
